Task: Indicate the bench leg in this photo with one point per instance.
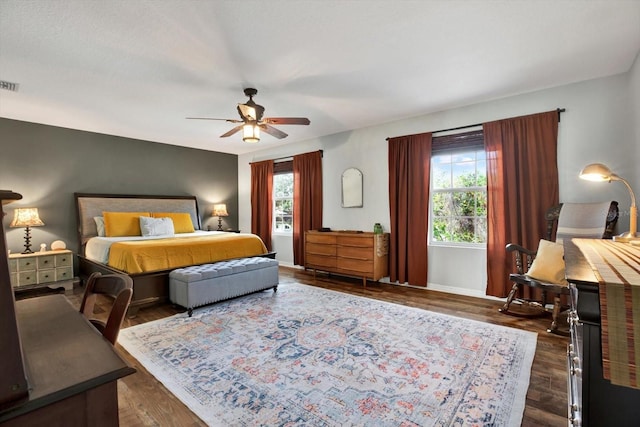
(190, 311)
(275, 289)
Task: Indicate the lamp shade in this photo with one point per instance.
(597, 172)
(220, 209)
(251, 132)
(26, 217)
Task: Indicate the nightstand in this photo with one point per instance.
(41, 269)
(229, 230)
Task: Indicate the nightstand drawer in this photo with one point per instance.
(45, 262)
(65, 273)
(27, 278)
(64, 260)
(27, 264)
(45, 276)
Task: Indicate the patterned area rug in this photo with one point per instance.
(306, 356)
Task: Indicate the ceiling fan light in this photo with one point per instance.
(251, 133)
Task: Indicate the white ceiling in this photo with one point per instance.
(137, 68)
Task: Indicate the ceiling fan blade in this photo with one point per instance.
(286, 120)
(232, 131)
(272, 131)
(211, 118)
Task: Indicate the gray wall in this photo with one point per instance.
(48, 164)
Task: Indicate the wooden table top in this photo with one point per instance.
(64, 354)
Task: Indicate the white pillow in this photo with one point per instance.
(99, 225)
(548, 265)
(156, 226)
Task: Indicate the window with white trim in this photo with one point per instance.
(283, 202)
(459, 190)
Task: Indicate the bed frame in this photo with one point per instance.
(148, 288)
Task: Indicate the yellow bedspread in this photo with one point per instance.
(163, 254)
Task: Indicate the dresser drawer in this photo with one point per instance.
(321, 249)
(358, 267)
(327, 239)
(320, 261)
(356, 253)
(357, 241)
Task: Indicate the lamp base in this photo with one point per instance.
(27, 241)
(219, 224)
(626, 237)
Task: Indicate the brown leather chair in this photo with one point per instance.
(533, 303)
(119, 287)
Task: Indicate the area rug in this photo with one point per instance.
(306, 356)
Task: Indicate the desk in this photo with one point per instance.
(71, 369)
(593, 400)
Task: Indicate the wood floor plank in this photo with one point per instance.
(143, 401)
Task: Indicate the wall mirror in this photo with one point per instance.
(352, 188)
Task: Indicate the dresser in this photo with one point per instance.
(593, 400)
(349, 253)
(41, 269)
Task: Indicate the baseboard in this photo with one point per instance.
(430, 286)
(462, 291)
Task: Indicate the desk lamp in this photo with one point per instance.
(600, 172)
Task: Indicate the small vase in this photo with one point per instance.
(377, 228)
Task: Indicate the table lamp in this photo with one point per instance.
(600, 172)
(26, 217)
(220, 210)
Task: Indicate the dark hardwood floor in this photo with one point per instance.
(143, 401)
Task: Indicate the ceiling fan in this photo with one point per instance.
(252, 120)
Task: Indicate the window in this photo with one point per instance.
(459, 192)
(283, 202)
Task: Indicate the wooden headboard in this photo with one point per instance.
(90, 205)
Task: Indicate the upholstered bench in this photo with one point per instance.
(199, 285)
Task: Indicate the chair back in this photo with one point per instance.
(582, 220)
(119, 287)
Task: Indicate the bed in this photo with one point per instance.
(149, 260)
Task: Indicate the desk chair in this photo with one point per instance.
(117, 286)
(579, 220)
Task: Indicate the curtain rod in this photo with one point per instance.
(289, 157)
(559, 110)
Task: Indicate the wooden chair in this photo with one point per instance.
(532, 306)
(117, 286)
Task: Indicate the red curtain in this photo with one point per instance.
(307, 199)
(522, 183)
(409, 165)
(262, 200)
